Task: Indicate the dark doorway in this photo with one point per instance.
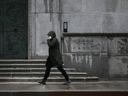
(13, 29)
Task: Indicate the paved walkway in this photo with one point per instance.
(120, 86)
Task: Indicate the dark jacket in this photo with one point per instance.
(55, 57)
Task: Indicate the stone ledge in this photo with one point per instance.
(95, 34)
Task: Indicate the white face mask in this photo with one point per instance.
(49, 37)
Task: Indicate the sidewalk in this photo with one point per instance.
(98, 86)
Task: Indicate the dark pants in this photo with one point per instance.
(60, 68)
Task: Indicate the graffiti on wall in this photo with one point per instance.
(82, 59)
(122, 45)
(82, 44)
(118, 46)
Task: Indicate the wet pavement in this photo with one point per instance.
(98, 86)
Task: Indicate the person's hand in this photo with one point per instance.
(49, 37)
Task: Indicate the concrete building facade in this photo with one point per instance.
(93, 34)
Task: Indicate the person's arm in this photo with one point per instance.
(52, 42)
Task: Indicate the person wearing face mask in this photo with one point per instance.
(54, 59)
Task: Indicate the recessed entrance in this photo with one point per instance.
(13, 29)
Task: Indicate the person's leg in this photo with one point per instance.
(46, 75)
(60, 68)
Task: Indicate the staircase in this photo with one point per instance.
(33, 71)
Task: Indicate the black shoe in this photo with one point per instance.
(43, 83)
(67, 82)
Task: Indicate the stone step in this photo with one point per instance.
(50, 79)
(22, 65)
(40, 74)
(17, 69)
(31, 61)
(33, 71)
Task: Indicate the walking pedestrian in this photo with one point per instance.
(54, 59)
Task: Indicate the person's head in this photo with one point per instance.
(52, 34)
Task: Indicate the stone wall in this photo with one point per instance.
(44, 16)
(104, 56)
(87, 54)
(95, 16)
